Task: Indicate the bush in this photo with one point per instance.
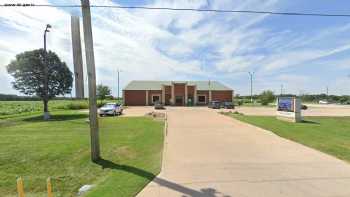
(238, 102)
(266, 97)
(75, 106)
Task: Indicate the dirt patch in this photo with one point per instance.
(156, 115)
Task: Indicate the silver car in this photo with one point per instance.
(111, 109)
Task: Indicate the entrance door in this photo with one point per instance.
(155, 99)
(179, 101)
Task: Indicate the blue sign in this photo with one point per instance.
(286, 104)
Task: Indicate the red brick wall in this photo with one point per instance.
(179, 89)
(167, 95)
(168, 90)
(135, 97)
(222, 96)
(190, 90)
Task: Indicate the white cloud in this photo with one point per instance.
(149, 44)
(122, 40)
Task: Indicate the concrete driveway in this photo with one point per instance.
(208, 154)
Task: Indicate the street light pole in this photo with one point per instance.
(281, 89)
(46, 77)
(251, 75)
(118, 71)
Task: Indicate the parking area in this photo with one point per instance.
(313, 110)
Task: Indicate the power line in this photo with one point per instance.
(182, 9)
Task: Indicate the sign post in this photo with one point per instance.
(289, 109)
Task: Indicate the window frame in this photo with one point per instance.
(202, 95)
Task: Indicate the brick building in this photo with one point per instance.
(178, 93)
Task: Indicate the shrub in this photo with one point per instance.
(266, 97)
(79, 105)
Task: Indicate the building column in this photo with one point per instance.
(195, 95)
(147, 103)
(233, 96)
(172, 94)
(210, 94)
(163, 94)
(186, 94)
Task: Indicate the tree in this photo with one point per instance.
(103, 91)
(29, 74)
(266, 97)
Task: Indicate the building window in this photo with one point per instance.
(201, 98)
(155, 98)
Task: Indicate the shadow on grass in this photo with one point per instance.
(309, 122)
(187, 192)
(57, 117)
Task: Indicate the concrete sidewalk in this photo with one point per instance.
(208, 154)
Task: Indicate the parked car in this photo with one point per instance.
(303, 107)
(214, 104)
(323, 102)
(111, 109)
(158, 105)
(228, 105)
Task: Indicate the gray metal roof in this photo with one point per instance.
(157, 85)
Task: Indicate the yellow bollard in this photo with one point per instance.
(49, 187)
(20, 188)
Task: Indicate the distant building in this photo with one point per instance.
(179, 93)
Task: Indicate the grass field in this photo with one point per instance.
(60, 148)
(9, 108)
(327, 134)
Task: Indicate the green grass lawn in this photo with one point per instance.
(327, 134)
(60, 148)
(19, 108)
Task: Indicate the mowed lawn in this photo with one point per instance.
(34, 149)
(327, 134)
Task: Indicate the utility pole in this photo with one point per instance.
(46, 77)
(90, 64)
(281, 89)
(327, 92)
(118, 71)
(77, 57)
(251, 75)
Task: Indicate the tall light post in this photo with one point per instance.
(118, 72)
(46, 76)
(251, 75)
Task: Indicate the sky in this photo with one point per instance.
(303, 54)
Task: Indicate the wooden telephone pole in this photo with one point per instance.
(90, 64)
